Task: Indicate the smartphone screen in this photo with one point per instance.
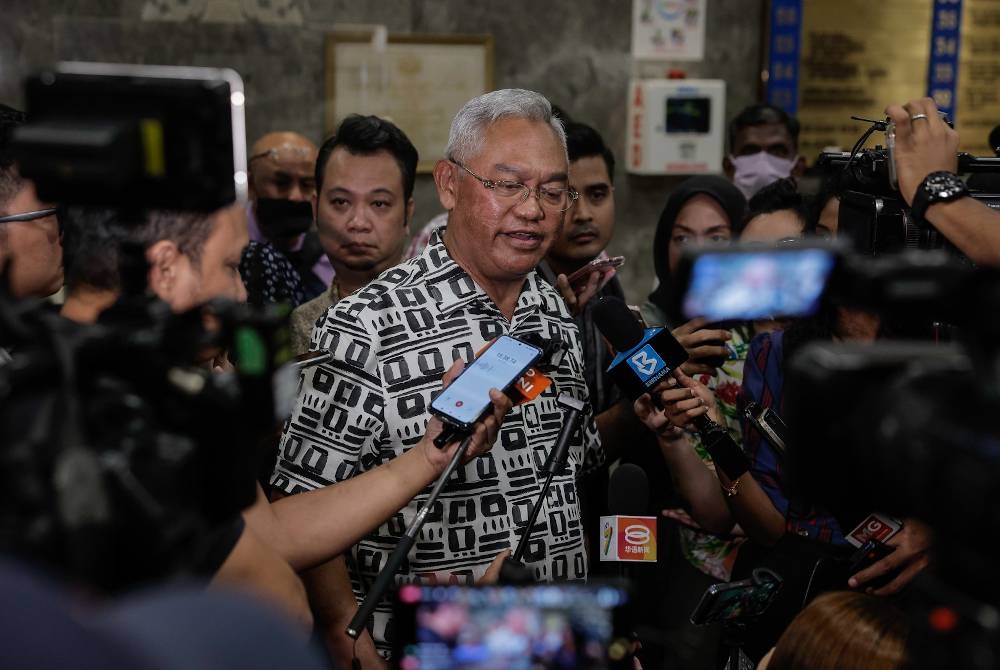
(582, 275)
(736, 600)
(501, 364)
(752, 284)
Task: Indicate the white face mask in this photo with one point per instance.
(755, 171)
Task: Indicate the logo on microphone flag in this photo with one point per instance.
(628, 538)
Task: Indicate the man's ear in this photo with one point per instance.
(799, 168)
(411, 206)
(164, 258)
(447, 184)
(728, 167)
(315, 205)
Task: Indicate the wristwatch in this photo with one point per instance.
(937, 187)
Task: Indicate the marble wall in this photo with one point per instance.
(576, 51)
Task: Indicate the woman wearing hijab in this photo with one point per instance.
(698, 547)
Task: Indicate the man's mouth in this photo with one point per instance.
(584, 237)
(525, 236)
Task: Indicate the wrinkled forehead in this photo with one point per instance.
(522, 145)
(285, 156)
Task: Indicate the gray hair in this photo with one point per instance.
(465, 138)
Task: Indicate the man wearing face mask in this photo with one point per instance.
(284, 261)
(763, 148)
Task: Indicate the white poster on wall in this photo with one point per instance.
(668, 29)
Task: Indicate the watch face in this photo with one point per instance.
(943, 186)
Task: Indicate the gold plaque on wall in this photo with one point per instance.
(419, 82)
(858, 56)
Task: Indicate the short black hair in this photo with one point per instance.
(583, 141)
(366, 135)
(779, 196)
(93, 238)
(10, 181)
(758, 115)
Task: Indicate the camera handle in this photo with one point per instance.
(513, 571)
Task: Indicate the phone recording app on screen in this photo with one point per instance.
(499, 365)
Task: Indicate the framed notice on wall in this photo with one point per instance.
(418, 82)
(829, 61)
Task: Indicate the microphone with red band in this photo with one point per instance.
(644, 358)
(627, 535)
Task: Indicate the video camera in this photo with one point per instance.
(902, 427)
(873, 216)
(125, 459)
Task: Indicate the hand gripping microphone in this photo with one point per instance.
(644, 358)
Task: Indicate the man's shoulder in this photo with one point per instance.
(389, 291)
(311, 310)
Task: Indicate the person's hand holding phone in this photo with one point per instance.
(910, 557)
(484, 433)
(704, 346)
(580, 287)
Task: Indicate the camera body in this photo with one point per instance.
(873, 215)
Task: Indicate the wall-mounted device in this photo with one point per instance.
(676, 126)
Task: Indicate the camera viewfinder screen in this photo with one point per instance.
(757, 285)
(688, 115)
(509, 628)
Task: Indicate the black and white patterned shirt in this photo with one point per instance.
(392, 341)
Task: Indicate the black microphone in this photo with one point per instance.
(645, 357)
(625, 539)
(628, 491)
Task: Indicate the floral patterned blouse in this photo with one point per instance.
(712, 554)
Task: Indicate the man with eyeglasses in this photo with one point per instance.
(30, 253)
(505, 186)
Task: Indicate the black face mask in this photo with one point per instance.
(280, 218)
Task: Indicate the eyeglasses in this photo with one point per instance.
(28, 216)
(553, 199)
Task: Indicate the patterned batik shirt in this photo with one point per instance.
(392, 341)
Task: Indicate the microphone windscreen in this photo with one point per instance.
(628, 491)
(616, 322)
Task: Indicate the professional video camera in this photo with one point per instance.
(873, 215)
(905, 428)
(124, 460)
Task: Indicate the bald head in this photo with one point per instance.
(282, 166)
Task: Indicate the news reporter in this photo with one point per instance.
(926, 163)
(192, 259)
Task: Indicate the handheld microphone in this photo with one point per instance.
(645, 357)
(626, 535)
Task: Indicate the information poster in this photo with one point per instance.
(668, 29)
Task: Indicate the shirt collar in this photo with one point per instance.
(458, 290)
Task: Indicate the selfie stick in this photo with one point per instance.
(513, 571)
(385, 576)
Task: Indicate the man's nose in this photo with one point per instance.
(300, 193)
(530, 208)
